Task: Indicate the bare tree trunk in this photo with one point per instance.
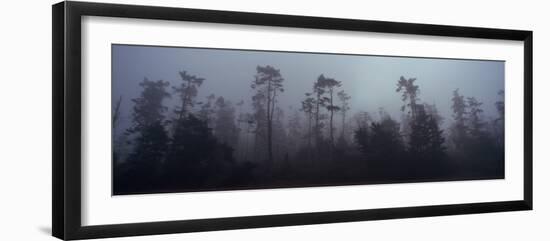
(316, 130)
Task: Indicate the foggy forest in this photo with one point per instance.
(291, 120)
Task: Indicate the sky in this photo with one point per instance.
(369, 80)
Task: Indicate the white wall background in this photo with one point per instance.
(25, 119)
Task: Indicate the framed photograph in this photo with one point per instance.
(169, 120)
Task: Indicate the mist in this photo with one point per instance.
(196, 119)
(370, 80)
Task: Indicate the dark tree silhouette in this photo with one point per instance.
(114, 136)
(426, 140)
(482, 147)
(259, 122)
(459, 130)
(207, 110)
(362, 139)
(344, 108)
(225, 128)
(280, 137)
(187, 91)
(476, 125)
(410, 93)
(295, 133)
(330, 85)
(499, 121)
(318, 92)
(148, 108)
(500, 106)
(151, 140)
(193, 149)
(116, 113)
(308, 107)
(269, 82)
(382, 141)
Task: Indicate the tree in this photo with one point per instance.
(361, 133)
(308, 107)
(225, 128)
(187, 91)
(344, 108)
(459, 129)
(116, 142)
(500, 106)
(249, 121)
(148, 108)
(116, 113)
(362, 119)
(362, 139)
(258, 121)
(151, 139)
(269, 82)
(475, 123)
(431, 110)
(499, 121)
(193, 148)
(426, 139)
(280, 137)
(207, 110)
(330, 85)
(294, 131)
(241, 118)
(382, 141)
(410, 94)
(318, 92)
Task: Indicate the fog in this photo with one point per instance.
(369, 80)
(188, 142)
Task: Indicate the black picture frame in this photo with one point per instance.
(66, 164)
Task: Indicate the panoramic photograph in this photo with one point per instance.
(204, 119)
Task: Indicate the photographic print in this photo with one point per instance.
(204, 119)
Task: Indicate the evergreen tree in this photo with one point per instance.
(225, 128)
(308, 107)
(187, 92)
(499, 121)
(193, 147)
(361, 135)
(207, 110)
(476, 125)
(409, 95)
(344, 108)
(269, 82)
(382, 142)
(151, 139)
(330, 85)
(459, 130)
(259, 122)
(426, 140)
(318, 92)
